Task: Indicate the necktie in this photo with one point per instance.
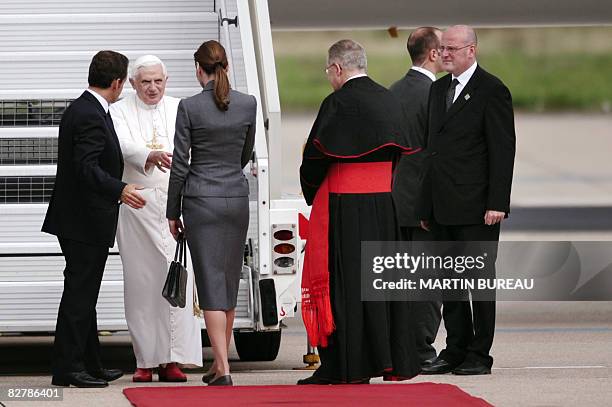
(450, 95)
(109, 122)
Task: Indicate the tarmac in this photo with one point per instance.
(546, 353)
(557, 355)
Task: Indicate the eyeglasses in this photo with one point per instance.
(452, 50)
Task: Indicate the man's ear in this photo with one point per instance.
(116, 84)
(132, 83)
(473, 50)
(433, 55)
(339, 70)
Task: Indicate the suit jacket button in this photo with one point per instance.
(434, 153)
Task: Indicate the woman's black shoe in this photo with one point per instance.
(208, 377)
(222, 381)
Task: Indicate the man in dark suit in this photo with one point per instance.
(83, 214)
(466, 185)
(413, 92)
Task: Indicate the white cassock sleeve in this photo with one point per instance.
(133, 152)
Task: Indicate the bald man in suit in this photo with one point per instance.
(467, 180)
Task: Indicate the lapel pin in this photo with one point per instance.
(467, 96)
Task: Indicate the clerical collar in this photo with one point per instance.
(425, 72)
(464, 78)
(144, 106)
(100, 99)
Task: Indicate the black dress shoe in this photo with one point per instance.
(438, 366)
(469, 368)
(107, 374)
(78, 379)
(313, 380)
(208, 377)
(222, 381)
(428, 362)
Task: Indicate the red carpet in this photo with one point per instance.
(379, 395)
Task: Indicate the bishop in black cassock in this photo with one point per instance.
(346, 174)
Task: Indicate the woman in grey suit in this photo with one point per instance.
(217, 128)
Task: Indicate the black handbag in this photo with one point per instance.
(175, 287)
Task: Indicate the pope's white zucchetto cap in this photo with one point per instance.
(146, 61)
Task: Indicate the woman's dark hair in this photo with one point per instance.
(212, 59)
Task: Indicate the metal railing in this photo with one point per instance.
(28, 151)
(32, 112)
(26, 189)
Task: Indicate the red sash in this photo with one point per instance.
(342, 178)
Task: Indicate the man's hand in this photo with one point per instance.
(493, 217)
(131, 197)
(425, 225)
(160, 159)
(176, 227)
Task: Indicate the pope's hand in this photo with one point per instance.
(131, 197)
(160, 159)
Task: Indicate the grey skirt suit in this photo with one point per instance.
(211, 191)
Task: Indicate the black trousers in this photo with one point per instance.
(76, 346)
(426, 315)
(469, 329)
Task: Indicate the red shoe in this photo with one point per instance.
(143, 375)
(171, 373)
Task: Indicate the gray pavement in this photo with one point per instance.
(546, 354)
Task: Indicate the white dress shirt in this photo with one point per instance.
(359, 75)
(463, 79)
(101, 99)
(425, 72)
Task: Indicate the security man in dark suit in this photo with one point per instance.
(83, 214)
(413, 92)
(467, 179)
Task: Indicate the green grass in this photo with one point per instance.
(556, 82)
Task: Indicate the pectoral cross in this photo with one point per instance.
(154, 144)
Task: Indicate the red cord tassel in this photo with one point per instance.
(316, 306)
(318, 318)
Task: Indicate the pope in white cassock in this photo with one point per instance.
(162, 335)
